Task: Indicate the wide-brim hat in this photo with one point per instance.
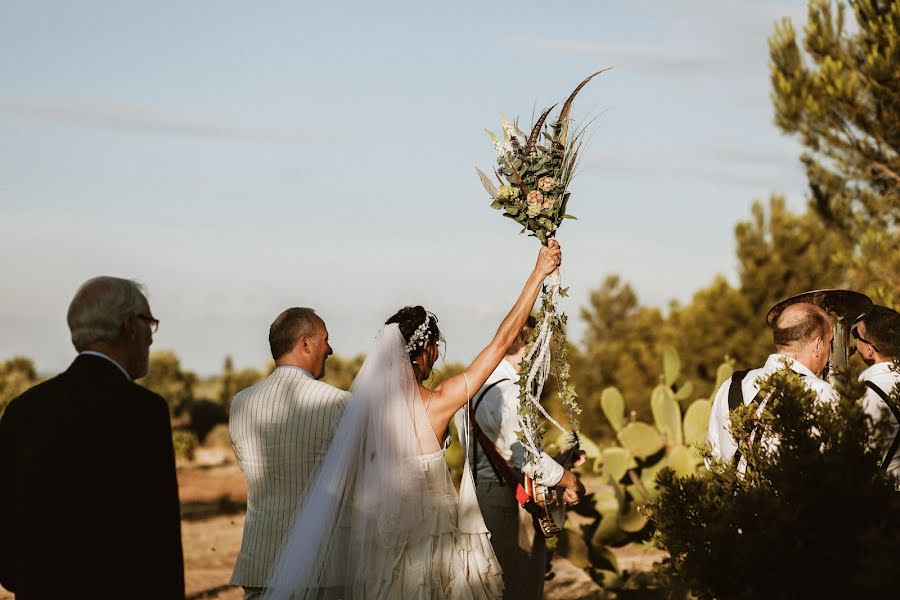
(847, 305)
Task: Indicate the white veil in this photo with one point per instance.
(370, 495)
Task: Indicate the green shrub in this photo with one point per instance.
(813, 517)
(185, 444)
(17, 374)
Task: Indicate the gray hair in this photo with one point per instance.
(99, 308)
(800, 323)
(290, 326)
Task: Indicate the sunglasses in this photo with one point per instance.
(855, 333)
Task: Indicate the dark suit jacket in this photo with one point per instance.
(88, 495)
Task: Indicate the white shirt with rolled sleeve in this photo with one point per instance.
(885, 377)
(498, 417)
(718, 432)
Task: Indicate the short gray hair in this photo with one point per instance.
(288, 327)
(99, 308)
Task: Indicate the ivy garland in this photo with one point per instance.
(534, 173)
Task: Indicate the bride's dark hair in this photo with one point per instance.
(409, 319)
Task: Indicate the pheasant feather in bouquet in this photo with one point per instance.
(533, 173)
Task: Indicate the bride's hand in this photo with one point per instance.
(549, 258)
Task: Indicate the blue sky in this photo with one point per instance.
(239, 158)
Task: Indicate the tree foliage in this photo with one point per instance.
(234, 381)
(779, 253)
(17, 374)
(169, 380)
(621, 346)
(340, 372)
(840, 96)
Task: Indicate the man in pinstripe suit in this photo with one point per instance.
(280, 429)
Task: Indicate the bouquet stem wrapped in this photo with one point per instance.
(534, 173)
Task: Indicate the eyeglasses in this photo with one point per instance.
(154, 323)
(855, 333)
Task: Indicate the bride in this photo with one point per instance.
(383, 519)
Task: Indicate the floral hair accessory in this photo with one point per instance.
(419, 336)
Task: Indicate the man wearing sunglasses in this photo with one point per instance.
(877, 336)
(88, 495)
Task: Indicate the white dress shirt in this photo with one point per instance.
(884, 376)
(498, 417)
(718, 435)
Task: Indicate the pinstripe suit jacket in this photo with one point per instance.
(280, 430)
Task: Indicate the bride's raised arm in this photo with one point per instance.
(451, 394)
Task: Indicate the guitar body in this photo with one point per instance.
(550, 512)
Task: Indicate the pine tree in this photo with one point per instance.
(841, 97)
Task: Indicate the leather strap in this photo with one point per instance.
(896, 411)
(474, 446)
(500, 467)
(736, 398)
(735, 395)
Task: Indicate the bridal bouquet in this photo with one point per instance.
(533, 173)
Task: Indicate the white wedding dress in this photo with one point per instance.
(383, 520)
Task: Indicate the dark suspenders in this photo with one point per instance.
(736, 398)
(473, 442)
(896, 411)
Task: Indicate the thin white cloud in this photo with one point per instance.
(129, 117)
(647, 58)
(773, 157)
(721, 165)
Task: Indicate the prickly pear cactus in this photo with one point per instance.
(629, 469)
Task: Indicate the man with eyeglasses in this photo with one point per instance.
(877, 336)
(88, 495)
